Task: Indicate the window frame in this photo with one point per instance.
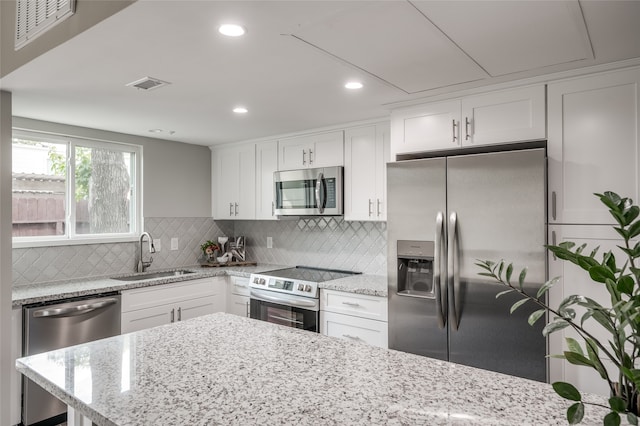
(71, 237)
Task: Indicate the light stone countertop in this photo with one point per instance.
(38, 293)
(222, 369)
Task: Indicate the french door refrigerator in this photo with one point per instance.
(445, 213)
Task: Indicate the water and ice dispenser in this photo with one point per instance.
(415, 268)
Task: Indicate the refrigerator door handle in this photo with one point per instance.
(439, 281)
(453, 264)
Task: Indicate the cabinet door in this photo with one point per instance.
(238, 305)
(293, 153)
(504, 116)
(429, 127)
(327, 149)
(593, 144)
(147, 318)
(15, 386)
(574, 280)
(226, 172)
(246, 183)
(266, 164)
(360, 170)
(197, 307)
(382, 158)
(354, 329)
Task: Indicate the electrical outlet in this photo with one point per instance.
(157, 243)
(269, 242)
(174, 244)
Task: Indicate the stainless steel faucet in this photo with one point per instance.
(142, 265)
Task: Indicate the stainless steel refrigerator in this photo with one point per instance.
(442, 215)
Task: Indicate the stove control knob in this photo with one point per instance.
(307, 288)
(255, 280)
(262, 281)
(300, 287)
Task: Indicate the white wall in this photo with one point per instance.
(176, 176)
(5, 254)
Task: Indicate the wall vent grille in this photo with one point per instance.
(148, 83)
(34, 17)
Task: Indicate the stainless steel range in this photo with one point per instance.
(290, 296)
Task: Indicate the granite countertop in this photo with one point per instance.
(46, 292)
(225, 369)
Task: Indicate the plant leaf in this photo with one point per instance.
(625, 285)
(577, 359)
(502, 293)
(536, 316)
(634, 230)
(601, 273)
(573, 345)
(518, 304)
(617, 404)
(546, 286)
(575, 413)
(632, 418)
(555, 325)
(509, 272)
(521, 278)
(567, 391)
(612, 419)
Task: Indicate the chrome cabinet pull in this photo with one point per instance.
(304, 158)
(351, 303)
(553, 205)
(553, 243)
(455, 138)
(273, 208)
(348, 336)
(230, 209)
(180, 314)
(236, 209)
(173, 315)
(370, 207)
(248, 309)
(310, 156)
(466, 128)
(378, 207)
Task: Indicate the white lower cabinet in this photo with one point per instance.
(238, 296)
(575, 280)
(355, 317)
(15, 385)
(152, 306)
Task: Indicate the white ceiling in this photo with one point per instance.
(290, 67)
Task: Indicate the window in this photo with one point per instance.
(68, 190)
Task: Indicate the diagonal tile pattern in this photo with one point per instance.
(328, 242)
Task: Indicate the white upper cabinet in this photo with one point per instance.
(266, 164)
(505, 116)
(592, 145)
(427, 127)
(498, 117)
(318, 150)
(366, 153)
(234, 182)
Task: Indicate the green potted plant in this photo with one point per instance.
(621, 319)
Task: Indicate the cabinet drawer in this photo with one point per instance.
(354, 329)
(147, 297)
(238, 305)
(238, 285)
(361, 305)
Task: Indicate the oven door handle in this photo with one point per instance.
(297, 303)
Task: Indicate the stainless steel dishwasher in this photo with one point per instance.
(53, 326)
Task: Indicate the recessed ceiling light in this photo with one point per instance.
(353, 85)
(231, 30)
(155, 130)
(240, 110)
(171, 132)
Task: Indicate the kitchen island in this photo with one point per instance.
(229, 370)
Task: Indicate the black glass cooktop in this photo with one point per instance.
(308, 273)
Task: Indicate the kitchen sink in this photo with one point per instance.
(152, 275)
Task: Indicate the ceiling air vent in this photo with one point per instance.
(34, 17)
(148, 83)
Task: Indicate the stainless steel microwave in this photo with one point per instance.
(309, 192)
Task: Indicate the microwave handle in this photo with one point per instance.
(320, 190)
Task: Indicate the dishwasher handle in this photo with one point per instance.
(73, 310)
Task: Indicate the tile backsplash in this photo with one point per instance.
(328, 242)
(43, 264)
